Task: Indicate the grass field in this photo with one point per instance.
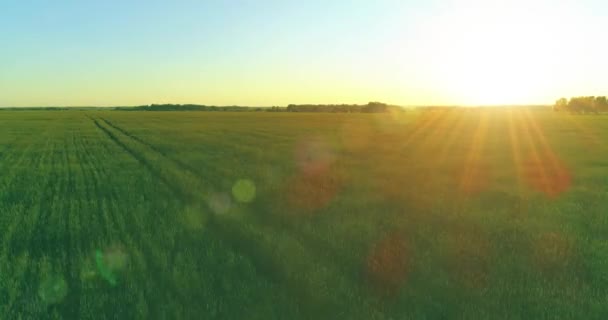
(462, 214)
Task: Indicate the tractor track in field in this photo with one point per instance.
(131, 239)
(144, 244)
(180, 164)
(114, 225)
(141, 159)
(237, 238)
(97, 173)
(225, 231)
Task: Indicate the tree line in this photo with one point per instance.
(371, 107)
(585, 104)
(182, 107)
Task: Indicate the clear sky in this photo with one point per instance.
(409, 52)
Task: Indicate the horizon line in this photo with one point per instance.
(271, 106)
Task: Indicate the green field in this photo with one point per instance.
(461, 214)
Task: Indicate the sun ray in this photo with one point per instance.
(535, 171)
(516, 150)
(558, 176)
(590, 139)
(540, 135)
(438, 138)
(454, 135)
(470, 181)
(422, 125)
(434, 137)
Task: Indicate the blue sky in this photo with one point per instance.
(279, 52)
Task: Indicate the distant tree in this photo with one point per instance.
(587, 104)
(601, 104)
(375, 107)
(575, 105)
(561, 105)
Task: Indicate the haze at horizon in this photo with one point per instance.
(76, 53)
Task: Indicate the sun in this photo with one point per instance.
(492, 78)
(493, 59)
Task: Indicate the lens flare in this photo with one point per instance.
(388, 264)
(53, 290)
(244, 191)
(111, 264)
(219, 203)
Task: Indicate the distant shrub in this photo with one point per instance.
(586, 104)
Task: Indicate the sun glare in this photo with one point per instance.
(496, 55)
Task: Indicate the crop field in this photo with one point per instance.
(439, 214)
